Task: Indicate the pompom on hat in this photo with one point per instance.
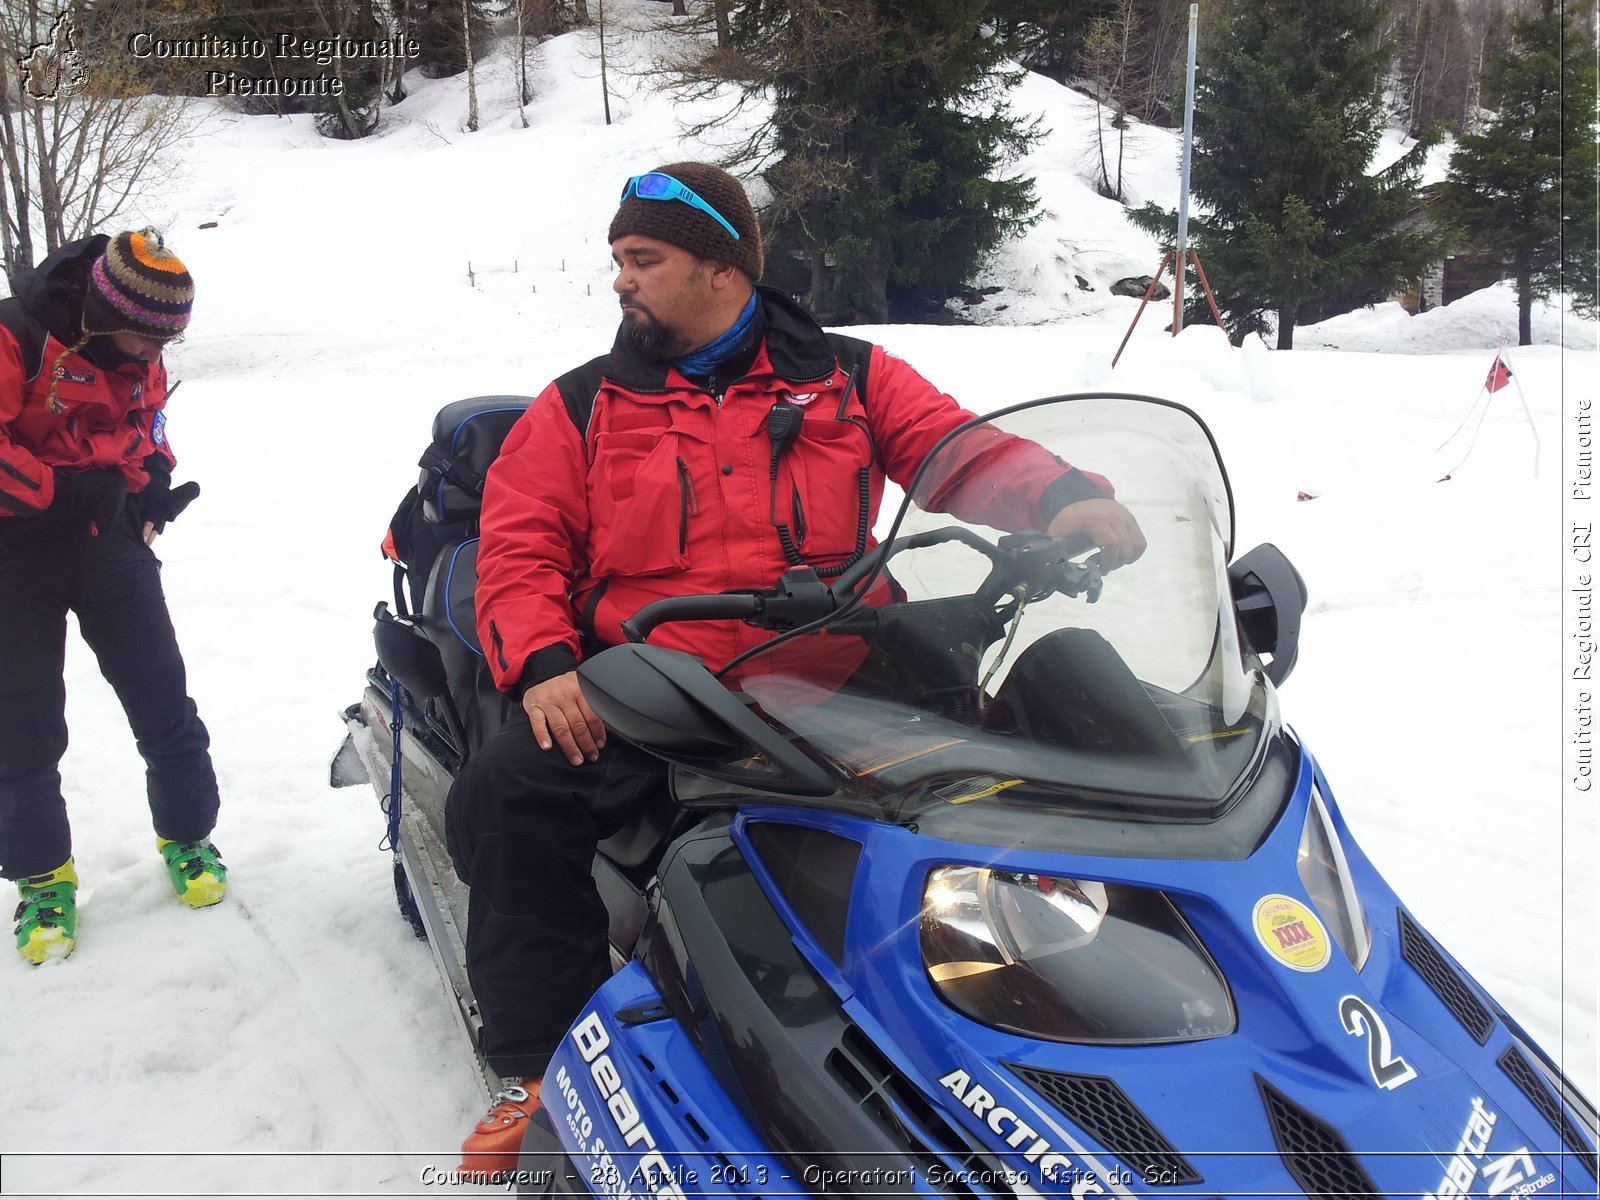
(138, 286)
(683, 225)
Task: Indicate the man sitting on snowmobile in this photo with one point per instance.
(724, 439)
(85, 486)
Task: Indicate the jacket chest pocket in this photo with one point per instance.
(77, 399)
(825, 469)
(641, 501)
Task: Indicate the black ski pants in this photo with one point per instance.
(522, 825)
(51, 564)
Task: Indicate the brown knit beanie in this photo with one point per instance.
(686, 226)
(138, 286)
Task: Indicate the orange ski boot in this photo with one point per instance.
(490, 1152)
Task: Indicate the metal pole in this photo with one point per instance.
(1183, 181)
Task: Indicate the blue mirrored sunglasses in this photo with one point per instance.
(656, 186)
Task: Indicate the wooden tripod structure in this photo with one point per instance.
(1170, 258)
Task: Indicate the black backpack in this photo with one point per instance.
(442, 509)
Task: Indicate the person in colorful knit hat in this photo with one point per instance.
(85, 487)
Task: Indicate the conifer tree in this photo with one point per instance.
(1045, 35)
(443, 43)
(888, 130)
(1524, 186)
(1289, 109)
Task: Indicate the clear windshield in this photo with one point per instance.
(969, 673)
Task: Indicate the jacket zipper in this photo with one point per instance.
(590, 606)
(688, 504)
(799, 520)
(499, 647)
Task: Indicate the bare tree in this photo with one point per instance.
(1162, 54)
(472, 71)
(523, 95)
(1443, 46)
(76, 144)
(388, 18)
(398, 19)
(1109, 59)
(1486, 30)
(357, 101)
(605, 82)
(689, 34)
(535, 20)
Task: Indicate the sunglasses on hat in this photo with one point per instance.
(656, 186)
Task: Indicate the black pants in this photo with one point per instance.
(522, 824)
(51, 564)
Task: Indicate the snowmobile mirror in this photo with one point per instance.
(668, 703)
(1269, 597)
(408, 655)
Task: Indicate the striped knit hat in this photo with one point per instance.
(138, 286)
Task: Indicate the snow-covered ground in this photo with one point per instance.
(295, 1040)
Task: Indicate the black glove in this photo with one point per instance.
(158, 505)
(159, 502)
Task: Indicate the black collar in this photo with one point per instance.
(796, 347)
(53, 291)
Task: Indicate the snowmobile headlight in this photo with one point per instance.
(1326, 875)
(1069, 960)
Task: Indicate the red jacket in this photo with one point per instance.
(670, 493)
(92, 417)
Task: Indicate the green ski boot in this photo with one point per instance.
(47, 917)
(195, 870)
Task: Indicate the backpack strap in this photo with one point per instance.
(28, 331)
(578, 388)
(442, 462)
(401, 547)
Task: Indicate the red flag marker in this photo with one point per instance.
(1499, 376)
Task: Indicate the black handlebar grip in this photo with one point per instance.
(733, 606)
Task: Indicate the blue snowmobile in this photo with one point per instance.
(992, 874)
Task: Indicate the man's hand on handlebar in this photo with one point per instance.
(1105, 523)
(560, 716)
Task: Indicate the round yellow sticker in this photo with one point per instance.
(1291, 933)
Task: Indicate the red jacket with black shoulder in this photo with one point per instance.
(59, 409)
(669, 492)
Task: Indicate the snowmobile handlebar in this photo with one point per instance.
(725, 606)
(801, 596)
(916, 541)
(1046, 564)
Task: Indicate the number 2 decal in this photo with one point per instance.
(1389, 1071)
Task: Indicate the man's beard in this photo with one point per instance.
(646, 336)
